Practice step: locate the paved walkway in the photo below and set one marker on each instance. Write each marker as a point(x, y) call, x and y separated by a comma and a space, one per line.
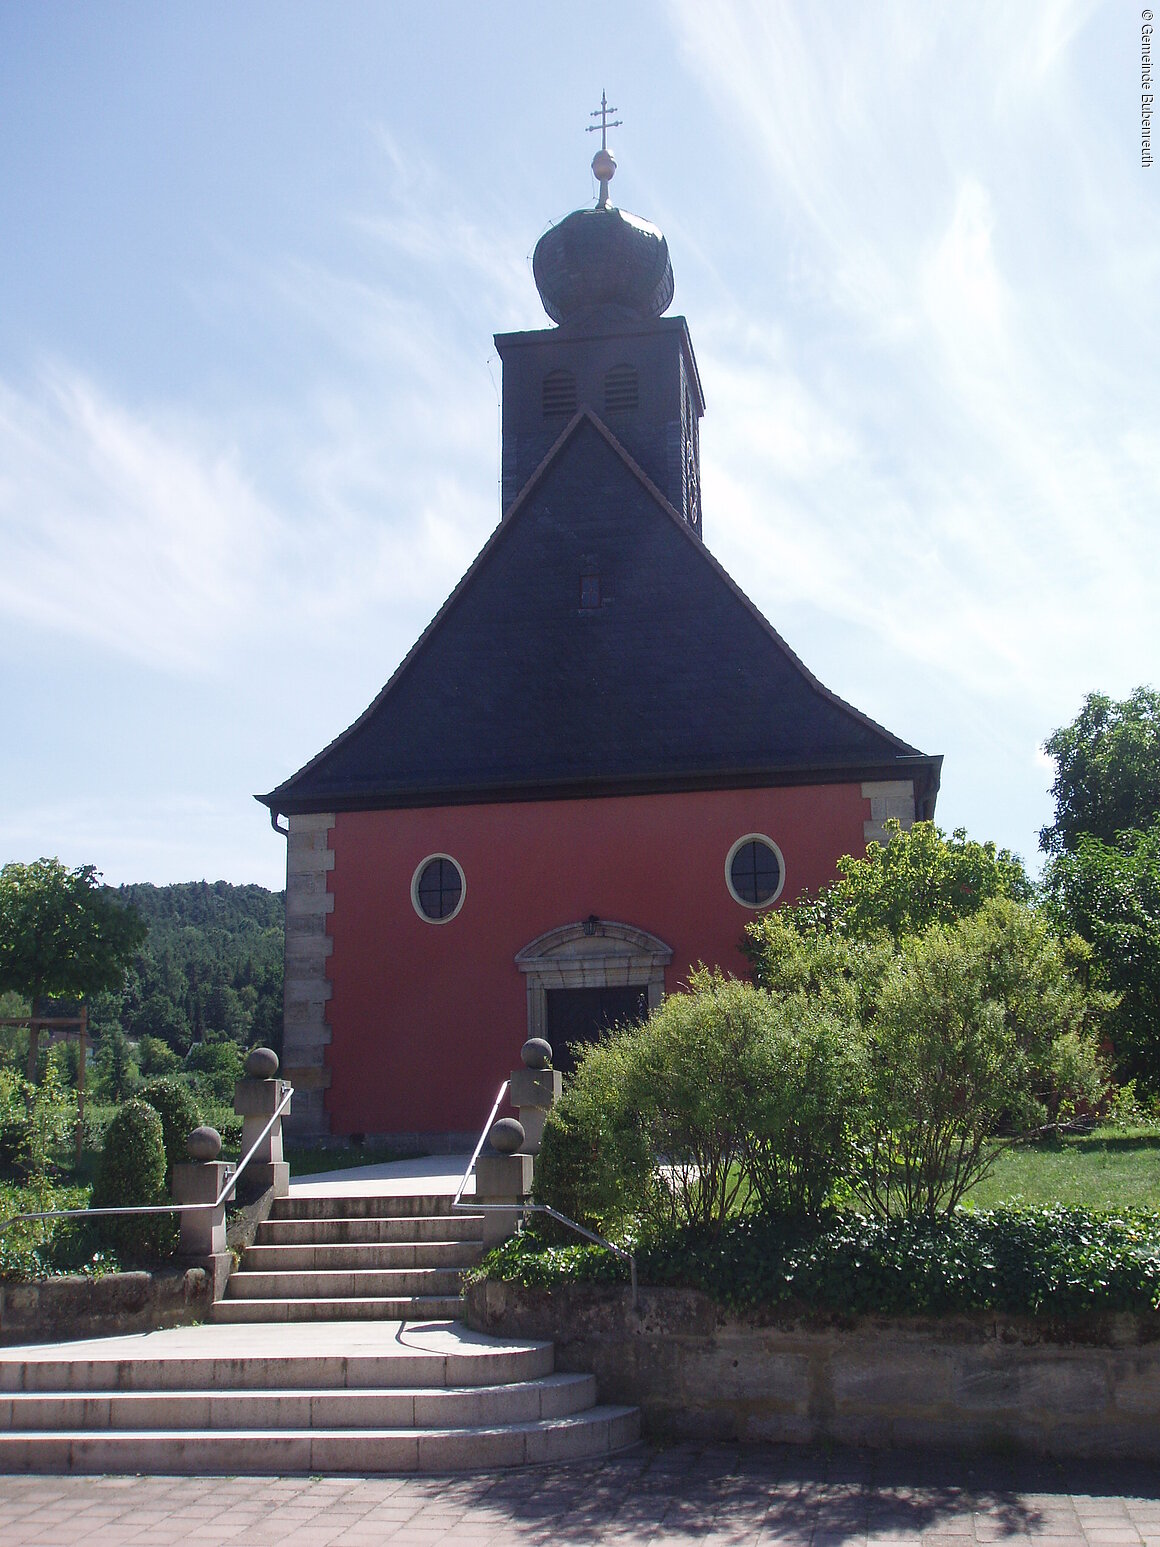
point(434, 1175)
point(347, 1340)
point(717, 1494)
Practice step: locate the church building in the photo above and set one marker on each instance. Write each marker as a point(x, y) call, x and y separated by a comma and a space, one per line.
point(595, 766)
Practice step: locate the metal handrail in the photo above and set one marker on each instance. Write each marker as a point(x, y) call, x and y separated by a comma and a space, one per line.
point(503, 1090)
point(536, 1208)
point(228, 1187)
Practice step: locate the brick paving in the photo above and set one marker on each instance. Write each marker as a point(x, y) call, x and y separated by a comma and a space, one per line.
point(724, 1495)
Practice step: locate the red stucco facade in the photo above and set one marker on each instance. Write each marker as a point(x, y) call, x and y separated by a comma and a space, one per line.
point(427, 1019)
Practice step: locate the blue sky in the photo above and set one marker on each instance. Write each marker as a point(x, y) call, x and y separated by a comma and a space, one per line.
point(252, 259)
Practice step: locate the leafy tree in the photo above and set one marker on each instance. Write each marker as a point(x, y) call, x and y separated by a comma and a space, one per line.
point(157, 1017)
point(796, 952)
point(970, 1024)
point(1107, 776)
point(51, 1118)
point(157, 1057)
point(980, 1024)
point(62, 933)
point(115, 1068)
point(920, 877)
point(837, 945)
point(1111, 896)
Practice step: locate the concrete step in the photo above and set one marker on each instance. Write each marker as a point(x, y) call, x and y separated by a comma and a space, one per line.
point(395, 1228)
point(297, 1205)
point(332, 1358)
point(382, 1283)
point(404, 1407)
point(361, 1308)
point(599, 1431)
point(332, 1257)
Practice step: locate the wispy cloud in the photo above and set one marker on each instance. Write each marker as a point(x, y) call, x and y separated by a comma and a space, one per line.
point(952, 454)
point(129, 530)
point(345, 506)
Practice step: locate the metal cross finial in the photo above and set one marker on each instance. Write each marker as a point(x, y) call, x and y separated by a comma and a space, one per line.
point(603, 162)
point(602, 113)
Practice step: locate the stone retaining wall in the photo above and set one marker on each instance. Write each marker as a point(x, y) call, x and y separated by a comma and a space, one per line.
point(1087, 1388)
point(78, 1307)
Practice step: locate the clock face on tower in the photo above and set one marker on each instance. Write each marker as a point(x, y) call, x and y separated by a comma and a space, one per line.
point(692, 488)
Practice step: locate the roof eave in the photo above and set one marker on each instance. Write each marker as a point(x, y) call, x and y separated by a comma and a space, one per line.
point(924, 769)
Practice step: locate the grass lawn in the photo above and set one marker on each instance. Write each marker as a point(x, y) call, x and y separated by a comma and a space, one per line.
point(1110, 1168)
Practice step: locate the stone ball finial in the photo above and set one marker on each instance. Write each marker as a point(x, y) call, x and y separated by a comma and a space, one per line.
point(604, 166)
point(536, 1053)
point(261, 1063)
point(507, 1135)
point(204, 1143)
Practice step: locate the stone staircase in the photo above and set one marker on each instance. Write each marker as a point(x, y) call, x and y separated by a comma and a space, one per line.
point(397, 1257)
point(336, 1350)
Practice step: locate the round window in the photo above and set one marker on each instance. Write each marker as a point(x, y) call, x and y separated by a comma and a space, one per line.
point(754, 871)
point(438, 889)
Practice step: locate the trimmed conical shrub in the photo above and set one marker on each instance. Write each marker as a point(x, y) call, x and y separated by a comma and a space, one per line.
point(130, 1172)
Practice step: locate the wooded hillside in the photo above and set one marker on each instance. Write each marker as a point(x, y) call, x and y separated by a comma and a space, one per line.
point(211, 965)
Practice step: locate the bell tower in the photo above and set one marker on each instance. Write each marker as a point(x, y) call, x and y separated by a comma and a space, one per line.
point(605, 280)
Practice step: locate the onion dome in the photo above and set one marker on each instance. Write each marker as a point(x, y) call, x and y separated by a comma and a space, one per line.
point(603, 260)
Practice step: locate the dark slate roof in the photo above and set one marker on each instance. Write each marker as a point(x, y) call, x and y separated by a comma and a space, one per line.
point(675, 682)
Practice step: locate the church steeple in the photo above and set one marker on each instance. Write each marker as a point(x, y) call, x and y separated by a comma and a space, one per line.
point(605, 279)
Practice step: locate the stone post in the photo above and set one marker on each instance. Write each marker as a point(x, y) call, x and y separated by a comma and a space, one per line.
point(534, 1090)
point(255, 1100)
point(200, 1179)
point(503, 1177)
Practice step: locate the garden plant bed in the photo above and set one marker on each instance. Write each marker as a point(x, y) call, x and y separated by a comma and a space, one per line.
point(1085, 1386)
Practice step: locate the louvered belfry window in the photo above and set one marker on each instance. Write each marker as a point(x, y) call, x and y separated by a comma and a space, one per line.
point(621, 389)
point(559, 394)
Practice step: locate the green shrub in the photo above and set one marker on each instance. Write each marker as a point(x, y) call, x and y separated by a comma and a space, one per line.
point(98, 1116)
point(217, 1065)
point(52, 1114)
point(978, 1026)
point(722, 1098)
point(131, 1172)
point(156, 1057)
point(180, 1114)
point(46, 1248)
point(13, 1120)
point(1053, 1261)
point(802, 1098)
point(227, 1122)
point(595, 1164)
point(649, 1130)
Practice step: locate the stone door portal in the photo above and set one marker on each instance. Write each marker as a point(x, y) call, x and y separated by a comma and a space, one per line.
point(583, 977)
point(578, 1015)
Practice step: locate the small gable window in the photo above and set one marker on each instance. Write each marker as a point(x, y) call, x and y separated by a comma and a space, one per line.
point(621, 389)
point(754, 871)
point(438, 888)
point(559, 389)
